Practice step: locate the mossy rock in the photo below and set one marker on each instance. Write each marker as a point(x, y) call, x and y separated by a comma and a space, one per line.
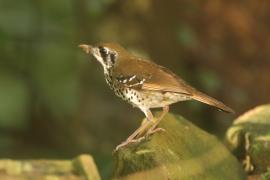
point(182, 152)
point(249, 139)
point(81, 168)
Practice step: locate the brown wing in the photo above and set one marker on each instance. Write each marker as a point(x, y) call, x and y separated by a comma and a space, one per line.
point(132, 81)
point(152, 76)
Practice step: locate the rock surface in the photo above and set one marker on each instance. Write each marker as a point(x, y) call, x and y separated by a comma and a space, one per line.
point(182, 152)
point(249, 139)
point(81, 168)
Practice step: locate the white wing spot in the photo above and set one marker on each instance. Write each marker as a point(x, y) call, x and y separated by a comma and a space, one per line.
point(132, 77)
point(142, 81)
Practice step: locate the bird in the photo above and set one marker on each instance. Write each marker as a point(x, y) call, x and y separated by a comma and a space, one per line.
point(145, 85)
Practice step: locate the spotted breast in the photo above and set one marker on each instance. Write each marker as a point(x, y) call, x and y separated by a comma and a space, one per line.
point(128, 88)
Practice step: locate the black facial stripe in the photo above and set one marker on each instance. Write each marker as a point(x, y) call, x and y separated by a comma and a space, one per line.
point(112, 56)
point(103, 52)
point(109, 57)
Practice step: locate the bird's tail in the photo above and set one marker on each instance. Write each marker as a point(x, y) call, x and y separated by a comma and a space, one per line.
point(199, 96)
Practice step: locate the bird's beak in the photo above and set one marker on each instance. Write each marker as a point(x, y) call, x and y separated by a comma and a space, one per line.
point(86, 48)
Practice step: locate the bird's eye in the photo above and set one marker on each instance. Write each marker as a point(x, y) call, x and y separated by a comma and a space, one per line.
point(103, 51)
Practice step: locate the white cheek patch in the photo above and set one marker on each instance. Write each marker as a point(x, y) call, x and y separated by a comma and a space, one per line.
point(99, 58)
point(97, 55)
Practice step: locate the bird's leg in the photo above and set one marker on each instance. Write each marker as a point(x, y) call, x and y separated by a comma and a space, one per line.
point(131, 138)
point(154, 128)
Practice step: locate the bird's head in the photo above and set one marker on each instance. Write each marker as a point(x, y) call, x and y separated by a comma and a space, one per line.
point(108, 54)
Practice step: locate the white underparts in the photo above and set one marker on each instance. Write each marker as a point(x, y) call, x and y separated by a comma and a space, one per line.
point(144, 99)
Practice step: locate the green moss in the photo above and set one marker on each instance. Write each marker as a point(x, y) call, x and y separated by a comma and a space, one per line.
point(182, 152)
point(250, 136)
point(265, 176)
point(83, 167)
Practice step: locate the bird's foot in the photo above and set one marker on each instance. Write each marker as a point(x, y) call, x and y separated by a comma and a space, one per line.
point(127, 142)
point(154, 130)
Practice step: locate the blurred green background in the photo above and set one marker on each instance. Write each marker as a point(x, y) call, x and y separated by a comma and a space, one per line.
point(54, 102)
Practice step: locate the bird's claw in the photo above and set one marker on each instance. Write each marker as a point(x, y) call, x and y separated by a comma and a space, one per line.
point(127, 142)
point(148, 133)
point(153, 131)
